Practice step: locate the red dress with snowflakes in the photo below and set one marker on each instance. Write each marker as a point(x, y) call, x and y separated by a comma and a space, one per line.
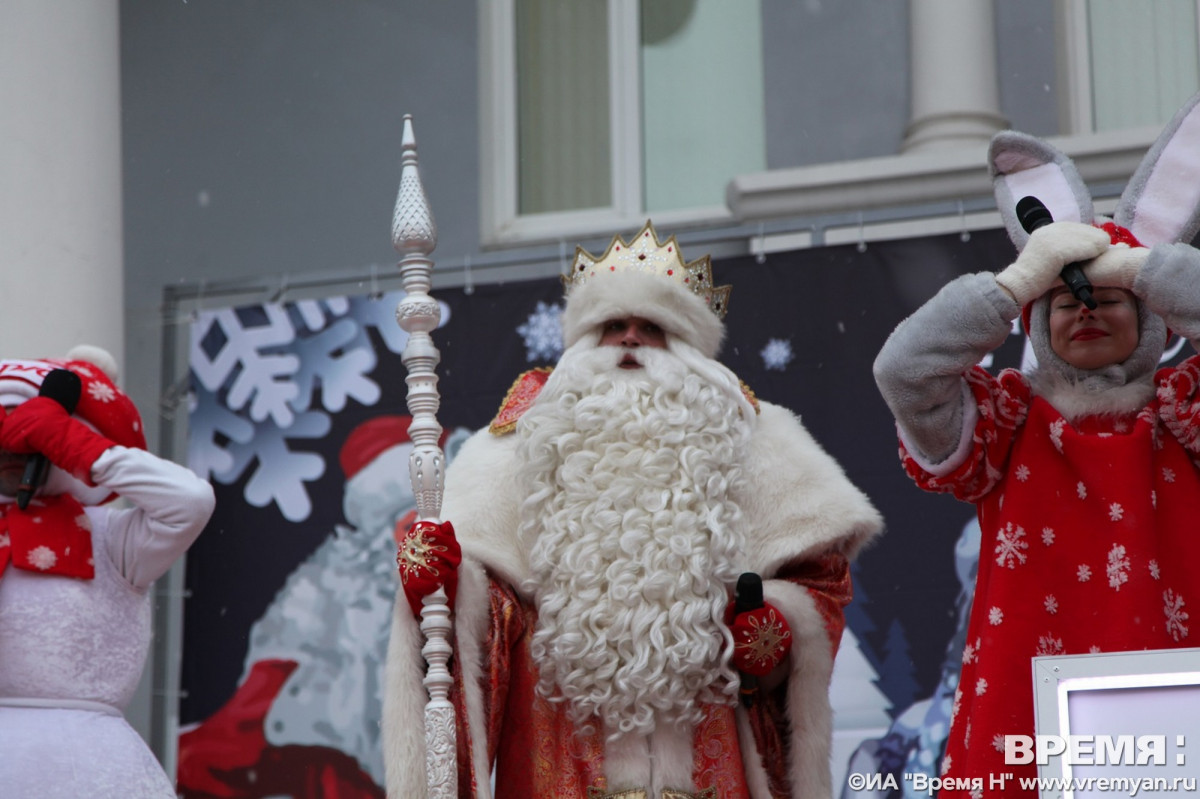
point(1088, 545)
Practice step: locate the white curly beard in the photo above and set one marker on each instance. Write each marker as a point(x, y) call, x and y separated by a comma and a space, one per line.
point(634, 541)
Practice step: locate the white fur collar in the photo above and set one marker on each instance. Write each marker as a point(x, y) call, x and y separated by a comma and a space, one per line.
point(1078, 399)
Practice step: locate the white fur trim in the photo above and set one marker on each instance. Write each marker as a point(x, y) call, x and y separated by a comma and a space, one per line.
point(1074, 401)
point(620, 294)
point(97, 356)
point(483, 503)
point(809, 714)
point(756, 775)
point(799, 502)
point(405, 695)
point(404, 706)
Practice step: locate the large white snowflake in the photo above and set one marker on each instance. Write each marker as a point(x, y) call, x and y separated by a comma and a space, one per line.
point(1047, 535)
point(42, 557)
point(1022, 473)
point(1118, 567)
point(970, 651)
point(1168, 475)
point(266, 375)
point(1051, 604)
point(777, 354)
point(1084, 572)
point(995, 616)
point(1009, 544)
point(1155, 571)
point(1176, 615)
point(542, 333)
point(1115, 512)
point(981, 686)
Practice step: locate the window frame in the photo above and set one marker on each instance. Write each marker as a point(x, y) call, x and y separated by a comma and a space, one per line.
point(500, 219)
point(1076, 111)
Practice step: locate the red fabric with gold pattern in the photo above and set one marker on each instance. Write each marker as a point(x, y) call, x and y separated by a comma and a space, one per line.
point(51, 536)
point(761, 640)
point(428, 557)
point(520, 396)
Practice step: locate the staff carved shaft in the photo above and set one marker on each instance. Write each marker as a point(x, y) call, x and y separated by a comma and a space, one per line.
point(414, 235)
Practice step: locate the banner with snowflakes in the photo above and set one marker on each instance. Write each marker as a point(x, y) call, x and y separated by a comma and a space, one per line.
point(278, 390)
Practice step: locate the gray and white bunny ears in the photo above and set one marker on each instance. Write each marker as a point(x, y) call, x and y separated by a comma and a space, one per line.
point(1161, 202)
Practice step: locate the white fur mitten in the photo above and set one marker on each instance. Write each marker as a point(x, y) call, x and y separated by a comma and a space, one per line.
point(1048, 250)
point(1117, 266)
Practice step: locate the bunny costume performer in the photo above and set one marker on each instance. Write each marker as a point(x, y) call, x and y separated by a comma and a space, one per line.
point(1085, 479)
point(74, 584)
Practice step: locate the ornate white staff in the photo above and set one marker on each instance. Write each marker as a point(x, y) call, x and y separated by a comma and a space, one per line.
point(414, 235)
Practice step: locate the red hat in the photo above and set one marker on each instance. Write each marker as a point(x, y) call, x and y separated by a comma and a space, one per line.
point(101, 403)
point(372, 438)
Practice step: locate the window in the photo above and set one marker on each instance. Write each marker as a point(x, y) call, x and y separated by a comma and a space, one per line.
point(599, 113)
point(1127, 65)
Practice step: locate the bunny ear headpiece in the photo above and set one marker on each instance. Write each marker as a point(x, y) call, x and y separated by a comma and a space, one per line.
point(1162, 201)
point(1160, 204)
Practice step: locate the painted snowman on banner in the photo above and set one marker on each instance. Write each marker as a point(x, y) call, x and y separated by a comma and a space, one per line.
point(1084, 469)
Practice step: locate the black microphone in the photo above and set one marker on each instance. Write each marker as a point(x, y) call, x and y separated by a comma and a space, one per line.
point(64, 387)
point(1033, 215)
point(748, 596)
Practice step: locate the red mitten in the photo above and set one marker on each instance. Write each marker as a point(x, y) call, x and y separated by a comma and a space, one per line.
point(42, 425)
point(761, 640)
point(429, 556)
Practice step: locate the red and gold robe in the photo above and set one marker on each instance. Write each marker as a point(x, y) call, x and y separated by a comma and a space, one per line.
point(804, 522)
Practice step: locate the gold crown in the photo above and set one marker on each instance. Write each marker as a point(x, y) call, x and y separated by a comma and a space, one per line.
point(645, 253)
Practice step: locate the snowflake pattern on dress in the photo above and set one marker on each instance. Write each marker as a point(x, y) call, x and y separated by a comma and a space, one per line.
point(1116, 512)
point(1049, 645)
point(1081, 490)
point(1176, 615)
point(970, 651)
point(1022, 473)
point(1155, 572)
point(1118, 567)
point(1168, 474)
point(995, 616)
point(1047, 536)
point(1056, 432)
point(1084, 572)
point(1051, 604)
point(981, 686)
point(1009, 543)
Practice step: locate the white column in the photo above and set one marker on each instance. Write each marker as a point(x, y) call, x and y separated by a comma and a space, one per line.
point(61, 252)
point(955, 94)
